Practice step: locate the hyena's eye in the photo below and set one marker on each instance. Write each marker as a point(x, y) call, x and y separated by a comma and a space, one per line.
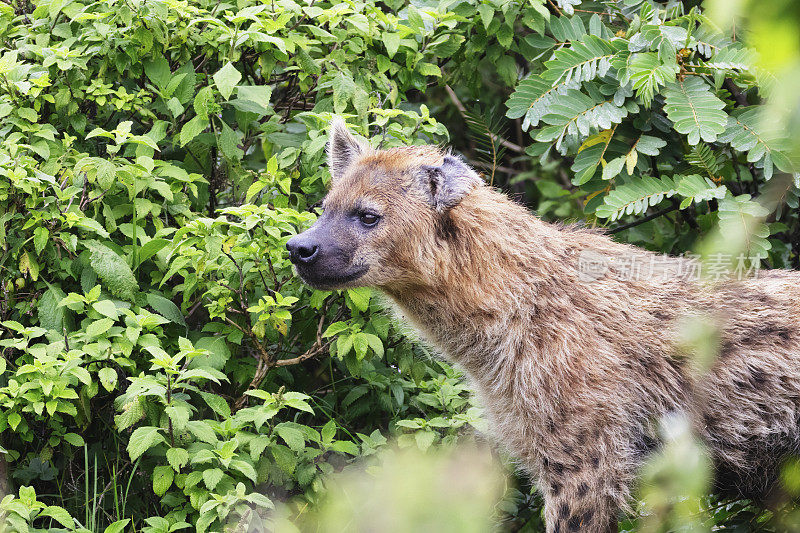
point(368, 219)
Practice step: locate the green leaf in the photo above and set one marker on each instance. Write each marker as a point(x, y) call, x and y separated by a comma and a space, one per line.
point(228, 143)
point(226, 79)
point(40, 236)
point(344, 344)
point(177, 458)
point(335, 329)
point(106, 308)
point(360, 345)
point(613, 168)
point(74, 439)
point(694, 110)
point(13, 420)
point(649, 145)
point(212, 477)
point(328, 431)
point(260, 94)
point(166, 308)
point(59, 514)
point(28, 264)
point(429, 69)
point(343, 89)
point(51, 314)
point(392, 42)
point(424, 439)
point(106, 172)
point(360, 297)
point(112, 270)
point(157, 69)
point(375, 343)
point(217, 404)
point(345, 446)
point(142, 439)
point(732, 58)
point(108, 378)
point(532, 99)
point(99, 327)
point(203, 103)
point(699, 189)
point(118, 526)
point(219, 353)
point(193, 128)
point(149, 249)
point(486, 12)
point(8, 61)
point(162, 479)
point(246, 469)
point(202, 430)
point(292, 436)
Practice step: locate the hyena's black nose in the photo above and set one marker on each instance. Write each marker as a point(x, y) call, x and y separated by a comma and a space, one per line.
point(301, 250)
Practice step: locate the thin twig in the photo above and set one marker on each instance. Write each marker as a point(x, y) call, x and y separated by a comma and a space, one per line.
point(648, 218)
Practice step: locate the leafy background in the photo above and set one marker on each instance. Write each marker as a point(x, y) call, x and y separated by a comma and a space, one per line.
point(162, 367)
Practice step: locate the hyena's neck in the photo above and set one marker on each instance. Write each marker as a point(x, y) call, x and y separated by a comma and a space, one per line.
point(494, 271)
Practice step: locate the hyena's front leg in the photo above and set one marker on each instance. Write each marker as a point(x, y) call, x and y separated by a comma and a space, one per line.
point(583, 491)
point(576, 503)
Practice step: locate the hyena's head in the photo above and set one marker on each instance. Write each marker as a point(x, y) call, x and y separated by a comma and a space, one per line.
point(383, 215)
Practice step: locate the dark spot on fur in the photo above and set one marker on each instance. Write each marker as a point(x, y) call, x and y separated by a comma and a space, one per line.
point(446, 230)
point(555, 489)
point(595, 462)
point(726, 349)
point(557, 528)
point(587, 517)
point(574, 523)
point(783, 333)
point(563, 511)
point(757, 378)
point(583, 489)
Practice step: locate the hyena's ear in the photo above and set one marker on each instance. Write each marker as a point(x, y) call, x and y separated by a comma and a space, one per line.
point(343, 149)
point(449, 183)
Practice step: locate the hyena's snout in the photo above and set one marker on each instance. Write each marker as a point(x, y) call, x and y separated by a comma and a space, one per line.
point(323, 257)
point(303, 249)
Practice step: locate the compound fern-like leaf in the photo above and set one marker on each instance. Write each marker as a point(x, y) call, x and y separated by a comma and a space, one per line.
point(695, 110)
point(765, 148)
point(635, 197)
point(696, 188)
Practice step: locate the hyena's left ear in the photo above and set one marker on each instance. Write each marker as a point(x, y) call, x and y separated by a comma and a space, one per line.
point(343, 149)
point(447, 184)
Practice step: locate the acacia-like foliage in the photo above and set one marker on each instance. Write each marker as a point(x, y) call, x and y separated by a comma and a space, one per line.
point(657, 81)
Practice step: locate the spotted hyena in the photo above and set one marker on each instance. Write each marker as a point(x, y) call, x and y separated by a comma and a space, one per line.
point(573, 364)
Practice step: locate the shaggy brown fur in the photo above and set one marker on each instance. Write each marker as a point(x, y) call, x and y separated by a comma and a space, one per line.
point(573, 371)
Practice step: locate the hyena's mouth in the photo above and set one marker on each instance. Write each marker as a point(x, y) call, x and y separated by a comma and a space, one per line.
point(330, 280)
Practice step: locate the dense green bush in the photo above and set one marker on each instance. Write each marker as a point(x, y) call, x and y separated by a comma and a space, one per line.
point(162, 368)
